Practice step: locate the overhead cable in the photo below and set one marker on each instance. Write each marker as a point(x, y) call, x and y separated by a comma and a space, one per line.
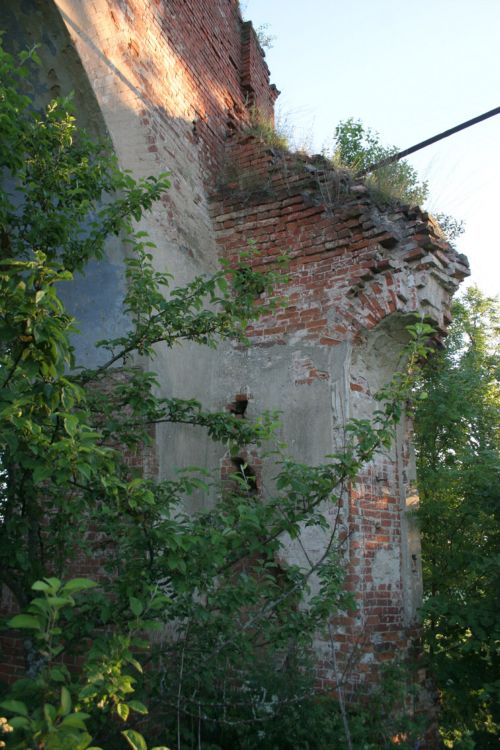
point(407, 151)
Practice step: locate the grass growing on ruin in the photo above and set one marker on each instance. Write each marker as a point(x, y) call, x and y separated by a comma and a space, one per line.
point(264, 128)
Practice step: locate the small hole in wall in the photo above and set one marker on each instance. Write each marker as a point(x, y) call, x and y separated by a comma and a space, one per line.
point(239, 405)
point(231, 127)
point(246, 475)
point(389, 243)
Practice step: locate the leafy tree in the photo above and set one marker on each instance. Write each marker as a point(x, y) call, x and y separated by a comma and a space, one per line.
point(359, 148)
point(228, 615)
point(458, 443)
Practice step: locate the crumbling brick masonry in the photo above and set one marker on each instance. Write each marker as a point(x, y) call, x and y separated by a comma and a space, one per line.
point(173, 85)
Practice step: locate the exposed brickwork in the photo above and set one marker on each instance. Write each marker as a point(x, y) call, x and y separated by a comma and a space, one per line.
point(353, 265)
point(255, 74)
point(174, 83)
point(192, 69)
point(12, 656)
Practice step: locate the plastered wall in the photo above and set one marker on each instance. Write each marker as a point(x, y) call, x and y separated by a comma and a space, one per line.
point(172, 85)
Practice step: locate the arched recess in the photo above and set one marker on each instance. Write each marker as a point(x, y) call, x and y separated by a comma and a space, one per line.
point(384, 509)
point(94, 298)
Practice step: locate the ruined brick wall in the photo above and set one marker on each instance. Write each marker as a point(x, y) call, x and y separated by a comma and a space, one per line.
point(359, 271)
point(197, 68)
point(348, 252)
point(173, 83)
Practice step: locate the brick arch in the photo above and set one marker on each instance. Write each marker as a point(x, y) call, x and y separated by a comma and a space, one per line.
point(377, 353)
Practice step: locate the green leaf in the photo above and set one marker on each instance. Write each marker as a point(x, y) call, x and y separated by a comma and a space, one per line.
point(71, 424)
point(138, 706)
point(57, 674)
point(50, 713)
point(123, 711)
point(135, 740)
point(41, 585)
point(19, 722)
point(15, 707)
point(76, 720)
point(136, 664)
point(78, 584)
point(83, 743)
point(136, 606)
point(40, 473)
point(65, 701)
point(24, 621)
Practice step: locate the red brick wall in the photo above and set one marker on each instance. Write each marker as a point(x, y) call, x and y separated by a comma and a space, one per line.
point(352, 264)
point(193, 71)
point(255, 74)
point(198, 54)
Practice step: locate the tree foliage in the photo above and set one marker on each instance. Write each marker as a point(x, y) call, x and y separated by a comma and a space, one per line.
point(458, 441)
point(358, 148)
point(234, 621)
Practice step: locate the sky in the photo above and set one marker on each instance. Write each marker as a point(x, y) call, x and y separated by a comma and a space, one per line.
point(408, 70)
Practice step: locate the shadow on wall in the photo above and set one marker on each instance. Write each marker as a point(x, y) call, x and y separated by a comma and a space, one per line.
point(118, 97)
point(157, 62)
point(29, 24)
point(143, 99)
point(96, 296)
point(376, 356)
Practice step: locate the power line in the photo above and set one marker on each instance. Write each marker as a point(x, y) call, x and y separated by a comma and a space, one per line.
point(428, 142)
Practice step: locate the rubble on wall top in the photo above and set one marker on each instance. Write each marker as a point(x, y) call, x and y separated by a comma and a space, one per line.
point(350, 254)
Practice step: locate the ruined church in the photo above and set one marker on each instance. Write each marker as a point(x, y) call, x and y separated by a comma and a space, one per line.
point(174, 86)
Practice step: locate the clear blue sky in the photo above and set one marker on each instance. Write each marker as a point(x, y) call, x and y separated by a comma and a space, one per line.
point(408, 70)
